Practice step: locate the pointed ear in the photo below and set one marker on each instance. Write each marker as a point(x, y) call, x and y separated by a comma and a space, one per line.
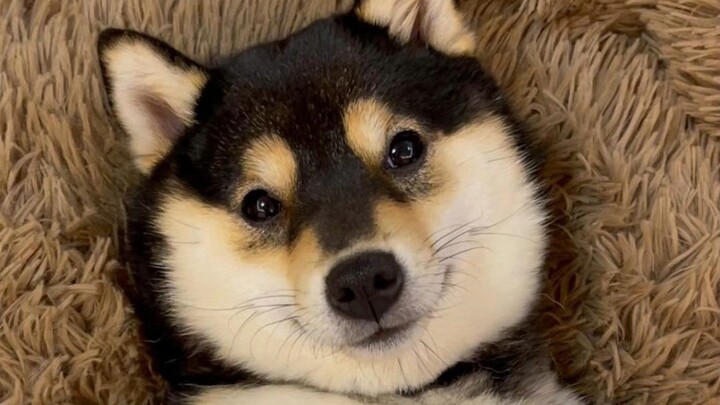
point(152, 89)
point(436, 23)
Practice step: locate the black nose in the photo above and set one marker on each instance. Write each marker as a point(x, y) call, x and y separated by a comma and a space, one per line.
point(365, 286)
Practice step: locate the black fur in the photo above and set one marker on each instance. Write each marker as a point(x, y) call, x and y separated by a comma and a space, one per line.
point(297, 88)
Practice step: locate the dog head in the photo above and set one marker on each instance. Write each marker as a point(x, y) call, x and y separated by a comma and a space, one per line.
point(351, 207)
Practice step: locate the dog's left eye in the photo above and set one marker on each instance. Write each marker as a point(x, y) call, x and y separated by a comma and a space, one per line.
point(405, 149)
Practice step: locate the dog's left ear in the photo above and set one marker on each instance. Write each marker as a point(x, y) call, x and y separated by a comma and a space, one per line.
point(437, 23)
point(152, 89)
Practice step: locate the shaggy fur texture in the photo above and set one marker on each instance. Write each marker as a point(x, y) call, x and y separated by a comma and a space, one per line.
point(624, 95)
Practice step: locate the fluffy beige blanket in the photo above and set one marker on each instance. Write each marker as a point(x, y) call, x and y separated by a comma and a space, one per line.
point(625, 94)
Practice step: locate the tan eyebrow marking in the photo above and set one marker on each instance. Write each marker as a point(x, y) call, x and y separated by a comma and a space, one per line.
point(270, 161)
point(367, 126)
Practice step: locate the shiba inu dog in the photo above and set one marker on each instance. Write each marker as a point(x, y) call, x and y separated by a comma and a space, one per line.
point(350, 215)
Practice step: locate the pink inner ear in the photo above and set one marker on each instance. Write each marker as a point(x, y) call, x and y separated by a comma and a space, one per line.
point(416, 35)
point(165, 120)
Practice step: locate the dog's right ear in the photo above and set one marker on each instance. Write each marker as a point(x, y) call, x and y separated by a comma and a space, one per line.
point(152, 89)
point(435, 23)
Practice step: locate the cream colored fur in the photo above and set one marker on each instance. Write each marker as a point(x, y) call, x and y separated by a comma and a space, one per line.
point(547, 394)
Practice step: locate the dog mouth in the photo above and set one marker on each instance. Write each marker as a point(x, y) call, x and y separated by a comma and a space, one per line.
point(385, 336)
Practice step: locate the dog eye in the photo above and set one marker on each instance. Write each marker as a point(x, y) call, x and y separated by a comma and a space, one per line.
point(258, 206)
point(405, 149)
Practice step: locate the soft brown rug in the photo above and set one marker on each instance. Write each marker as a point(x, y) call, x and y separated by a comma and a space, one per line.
point(625, 94)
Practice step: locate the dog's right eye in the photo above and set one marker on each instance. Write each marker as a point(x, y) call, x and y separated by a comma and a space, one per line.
point(405, 149)
point(259, 206)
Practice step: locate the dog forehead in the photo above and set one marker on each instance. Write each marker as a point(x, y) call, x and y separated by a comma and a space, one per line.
point(324, 59)
point(300, 89)
point(308, 78)
point(302, 105)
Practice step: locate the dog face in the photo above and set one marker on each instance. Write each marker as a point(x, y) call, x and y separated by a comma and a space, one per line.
point(350, 207)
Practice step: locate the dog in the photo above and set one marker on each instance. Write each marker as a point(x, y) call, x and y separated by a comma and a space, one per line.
point(349, 215)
